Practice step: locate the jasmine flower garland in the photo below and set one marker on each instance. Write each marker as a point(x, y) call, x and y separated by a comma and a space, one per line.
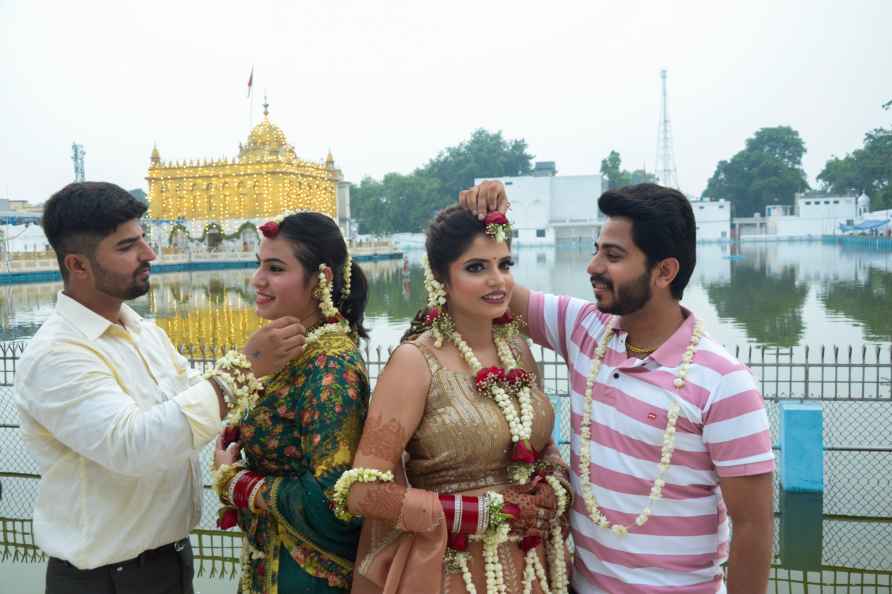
point(355, 475)
point(335, 323)
point(656, 491)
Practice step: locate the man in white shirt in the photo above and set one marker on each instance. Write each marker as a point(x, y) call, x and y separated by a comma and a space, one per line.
point(113, 413)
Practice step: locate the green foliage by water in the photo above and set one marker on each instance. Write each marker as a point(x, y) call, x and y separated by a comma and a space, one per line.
point(865, 170)
point(767, 171)
point(617, 177)
point(865, 301)
point(405, 203)
point(768, 305)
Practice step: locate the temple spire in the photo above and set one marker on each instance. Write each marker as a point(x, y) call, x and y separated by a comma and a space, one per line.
point(265, 105)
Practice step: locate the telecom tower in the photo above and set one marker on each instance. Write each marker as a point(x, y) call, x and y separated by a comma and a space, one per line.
point(667, 173)
point(77, 156)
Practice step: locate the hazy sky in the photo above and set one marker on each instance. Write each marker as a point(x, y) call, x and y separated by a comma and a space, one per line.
point(386, 85)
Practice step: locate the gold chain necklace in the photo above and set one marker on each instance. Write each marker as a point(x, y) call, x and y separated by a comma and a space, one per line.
point(633, 349)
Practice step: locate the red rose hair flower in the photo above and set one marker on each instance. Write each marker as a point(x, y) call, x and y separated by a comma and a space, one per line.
point(495, 218)
point(269, 229)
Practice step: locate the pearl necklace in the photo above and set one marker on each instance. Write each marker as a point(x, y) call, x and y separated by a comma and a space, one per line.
point(656, 491)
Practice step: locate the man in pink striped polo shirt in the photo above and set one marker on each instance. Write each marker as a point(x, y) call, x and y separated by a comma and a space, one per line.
point(670, 437)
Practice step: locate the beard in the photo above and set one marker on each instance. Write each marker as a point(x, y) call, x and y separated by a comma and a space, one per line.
point(628, 298)
point(118, 285)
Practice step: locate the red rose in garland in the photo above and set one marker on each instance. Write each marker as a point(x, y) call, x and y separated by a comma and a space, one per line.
point(524, 452)
point(497, 226)
point(505, 318)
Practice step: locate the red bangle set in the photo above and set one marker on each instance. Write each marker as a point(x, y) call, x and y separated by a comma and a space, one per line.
point(462, 512)
point(241, 492)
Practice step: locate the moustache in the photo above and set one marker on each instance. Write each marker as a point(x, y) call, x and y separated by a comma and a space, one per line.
point(142, 269)
point(601, 281)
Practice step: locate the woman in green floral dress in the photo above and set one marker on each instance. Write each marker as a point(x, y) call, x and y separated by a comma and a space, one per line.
point(300, 432)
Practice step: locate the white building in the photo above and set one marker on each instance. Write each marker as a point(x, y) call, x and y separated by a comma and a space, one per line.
point(547, 209)
point(713, 219)
point(815, 215)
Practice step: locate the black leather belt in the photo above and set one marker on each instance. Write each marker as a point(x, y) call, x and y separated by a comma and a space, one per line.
point(139, 560)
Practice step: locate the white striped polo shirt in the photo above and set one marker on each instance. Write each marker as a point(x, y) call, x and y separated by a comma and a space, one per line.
point(722, 431)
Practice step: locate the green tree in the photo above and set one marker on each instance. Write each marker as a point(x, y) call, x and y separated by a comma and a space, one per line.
point(641, 176)
point(485, 154)
point(398, 203)
point(617, 177)
point(406, 203)
point(868, 170)
point(611, 168)
point(767, 171)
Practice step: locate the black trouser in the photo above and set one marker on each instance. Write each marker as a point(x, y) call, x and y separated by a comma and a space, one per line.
point(165, 570)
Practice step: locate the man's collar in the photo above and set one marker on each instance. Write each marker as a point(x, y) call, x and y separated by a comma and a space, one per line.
point(91, 323)
point(669, 353)
point(672, 350)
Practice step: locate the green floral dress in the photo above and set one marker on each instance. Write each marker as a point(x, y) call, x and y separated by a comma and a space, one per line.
point(301, 435)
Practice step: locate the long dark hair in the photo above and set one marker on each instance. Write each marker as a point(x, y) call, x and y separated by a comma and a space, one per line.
point(449, 235)
point(317, 240)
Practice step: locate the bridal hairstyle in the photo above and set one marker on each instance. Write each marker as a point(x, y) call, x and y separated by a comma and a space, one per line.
point(449, 235)
point(318, 240)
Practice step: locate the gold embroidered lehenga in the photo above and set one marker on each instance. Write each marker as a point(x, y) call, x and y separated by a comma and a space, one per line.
point(462, 445)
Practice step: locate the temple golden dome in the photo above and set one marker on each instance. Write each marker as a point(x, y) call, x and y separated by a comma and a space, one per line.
point(267, 179)
point(266, 142)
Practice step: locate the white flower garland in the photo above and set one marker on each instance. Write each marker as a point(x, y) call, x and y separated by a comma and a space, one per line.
point(241, 389)
point(436, 302)
point(521, 425)
point(335, 323)
point(498, 534)
point(348, 275)
point(557, 564)
point(656, 491)
point(355, 475)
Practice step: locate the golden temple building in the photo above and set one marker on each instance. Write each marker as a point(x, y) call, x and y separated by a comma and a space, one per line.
point(213, 200)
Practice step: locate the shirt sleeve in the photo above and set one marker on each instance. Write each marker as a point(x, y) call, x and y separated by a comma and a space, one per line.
point(83, 405)
point(736, 429)
point(555, 318)
point(199, 402)
point(335, 404)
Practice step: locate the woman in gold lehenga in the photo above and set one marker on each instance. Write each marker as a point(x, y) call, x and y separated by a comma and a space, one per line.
point(456, 476)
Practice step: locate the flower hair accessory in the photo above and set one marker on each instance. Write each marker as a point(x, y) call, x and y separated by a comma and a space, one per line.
point(333, 321)
point(348, 271)
point(271, 228)
point(497, 226)
point(436, 318)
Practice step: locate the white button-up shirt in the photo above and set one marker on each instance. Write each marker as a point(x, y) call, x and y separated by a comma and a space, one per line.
point(115, 418)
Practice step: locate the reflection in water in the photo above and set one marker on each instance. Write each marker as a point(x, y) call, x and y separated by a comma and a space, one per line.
point(756, 293)
point(801, 535)
point(767, 303)
point(760, 293)
point(866, 301)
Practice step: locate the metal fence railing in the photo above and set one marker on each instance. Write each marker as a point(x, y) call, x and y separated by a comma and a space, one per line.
point(852, 385)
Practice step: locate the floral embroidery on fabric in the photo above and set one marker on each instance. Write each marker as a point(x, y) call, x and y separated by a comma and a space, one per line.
point(303, 434)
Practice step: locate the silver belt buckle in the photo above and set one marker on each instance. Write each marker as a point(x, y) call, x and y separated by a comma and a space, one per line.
point(179, 545)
